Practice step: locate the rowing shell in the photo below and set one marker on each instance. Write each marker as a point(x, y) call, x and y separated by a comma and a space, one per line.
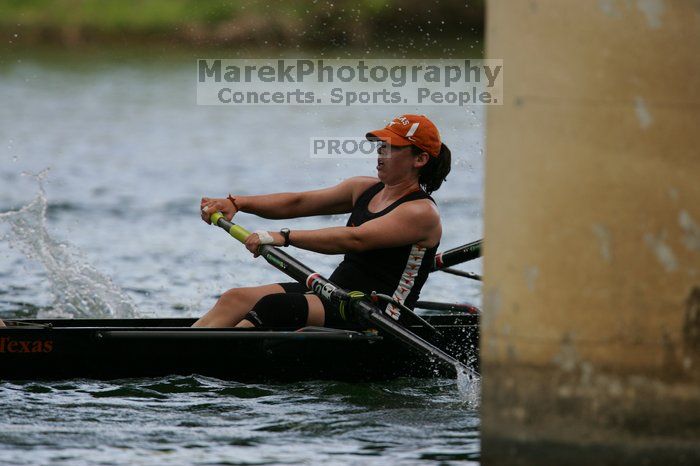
point(119, 348)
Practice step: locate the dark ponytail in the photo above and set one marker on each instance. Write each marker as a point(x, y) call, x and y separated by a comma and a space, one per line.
point(433, 173)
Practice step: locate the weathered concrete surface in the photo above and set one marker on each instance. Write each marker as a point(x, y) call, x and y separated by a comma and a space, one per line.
point(591, 330)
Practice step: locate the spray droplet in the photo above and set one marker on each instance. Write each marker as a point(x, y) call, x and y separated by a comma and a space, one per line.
point(469, 386)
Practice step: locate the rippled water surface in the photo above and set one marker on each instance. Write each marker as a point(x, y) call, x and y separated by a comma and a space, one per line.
point(128, 157)
point(196, 420)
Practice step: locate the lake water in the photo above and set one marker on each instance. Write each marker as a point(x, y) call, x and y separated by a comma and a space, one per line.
point(125, 155)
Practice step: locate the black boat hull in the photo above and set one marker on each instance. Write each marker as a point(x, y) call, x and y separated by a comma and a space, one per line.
point(109, 349)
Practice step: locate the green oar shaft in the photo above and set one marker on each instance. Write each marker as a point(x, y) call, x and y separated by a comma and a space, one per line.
point(349, 303)
point(279, 259)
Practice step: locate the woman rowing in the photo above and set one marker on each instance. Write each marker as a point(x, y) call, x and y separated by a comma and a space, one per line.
point(389, 241)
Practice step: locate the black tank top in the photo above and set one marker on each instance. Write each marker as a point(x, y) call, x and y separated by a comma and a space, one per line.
point(399, 272)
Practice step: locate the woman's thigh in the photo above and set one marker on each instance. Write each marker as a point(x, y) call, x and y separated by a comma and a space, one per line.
point(233, 304)
point(250, 295)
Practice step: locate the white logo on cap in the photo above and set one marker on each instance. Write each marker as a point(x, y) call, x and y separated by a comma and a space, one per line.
point(412, 130)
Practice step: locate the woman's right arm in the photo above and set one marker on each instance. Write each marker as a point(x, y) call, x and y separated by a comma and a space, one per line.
point(337, 199)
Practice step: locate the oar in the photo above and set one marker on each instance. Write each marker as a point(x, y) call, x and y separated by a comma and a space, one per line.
point(351, 304)
point(437, 306)
point(454, 256)
point(462, 273)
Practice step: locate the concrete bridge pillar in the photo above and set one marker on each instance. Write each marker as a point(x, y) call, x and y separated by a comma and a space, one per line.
point(591, 328)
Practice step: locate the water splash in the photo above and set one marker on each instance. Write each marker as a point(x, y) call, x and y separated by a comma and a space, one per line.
point(79, 290)
point(469, 386)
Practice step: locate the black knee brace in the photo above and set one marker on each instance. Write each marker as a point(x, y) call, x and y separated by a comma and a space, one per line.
point(288, 310)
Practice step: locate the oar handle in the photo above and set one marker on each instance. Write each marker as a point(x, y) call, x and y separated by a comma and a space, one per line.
point(237, 231)
point(275, 257)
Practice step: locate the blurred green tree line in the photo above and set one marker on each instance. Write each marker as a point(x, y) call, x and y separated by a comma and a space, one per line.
point(329, 23)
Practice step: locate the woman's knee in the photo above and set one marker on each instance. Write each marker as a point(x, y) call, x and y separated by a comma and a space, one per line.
point(231, 296)
point(244, 296)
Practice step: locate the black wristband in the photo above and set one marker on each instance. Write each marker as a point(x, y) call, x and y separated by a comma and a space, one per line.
point(285, 234)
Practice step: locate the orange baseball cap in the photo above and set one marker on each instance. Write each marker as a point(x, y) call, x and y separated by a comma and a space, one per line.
point(409, 130)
